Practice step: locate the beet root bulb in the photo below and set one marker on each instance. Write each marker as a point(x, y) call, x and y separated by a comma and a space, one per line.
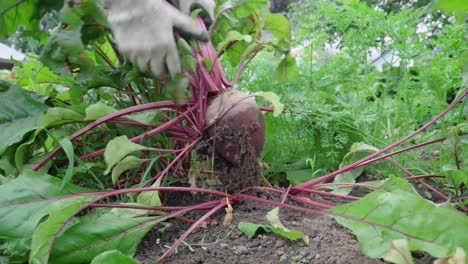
point(236, 111)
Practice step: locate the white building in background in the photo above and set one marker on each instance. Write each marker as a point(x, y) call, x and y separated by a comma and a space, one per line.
point(6, 54)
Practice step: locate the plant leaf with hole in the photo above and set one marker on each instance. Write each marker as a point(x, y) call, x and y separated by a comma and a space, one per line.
point(437, 230)
point(19, 114)
point(117, 149)
point(274, 99)
point(113, 256)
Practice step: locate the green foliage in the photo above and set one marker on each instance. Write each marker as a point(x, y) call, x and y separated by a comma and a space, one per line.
point(354, 154)
point(28, 15)
point(273, 99)
point(342, 96)
point(19, 114)
point(74, 75)
point(117, 149)
point(127, 163)
point(46, 231)
point(23, 202)
point(246, 29)
point(90, 237)
point(400, 214)
point(458, 7)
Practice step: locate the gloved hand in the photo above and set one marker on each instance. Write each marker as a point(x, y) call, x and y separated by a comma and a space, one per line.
point(143, 30)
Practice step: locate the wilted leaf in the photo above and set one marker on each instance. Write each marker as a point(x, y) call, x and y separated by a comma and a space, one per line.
point(251, 229)
point(273, 217)
point(275, 227)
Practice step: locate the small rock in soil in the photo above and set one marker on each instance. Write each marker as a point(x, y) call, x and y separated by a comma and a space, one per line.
point(279, 243)
point(240, 250)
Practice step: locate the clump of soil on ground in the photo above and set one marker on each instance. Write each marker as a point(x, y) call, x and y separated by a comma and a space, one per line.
point(247, 171)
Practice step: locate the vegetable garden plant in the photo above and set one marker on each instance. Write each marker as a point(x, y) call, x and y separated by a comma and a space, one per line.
point(90, 147)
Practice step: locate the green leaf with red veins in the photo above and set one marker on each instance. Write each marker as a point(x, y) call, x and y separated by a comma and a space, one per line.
point(437, 230)
point(45, 233)
point(91, 236)
point(25, 200)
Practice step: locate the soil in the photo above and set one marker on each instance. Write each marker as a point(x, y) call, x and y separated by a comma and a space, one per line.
point(247, 171)
point(328, 241)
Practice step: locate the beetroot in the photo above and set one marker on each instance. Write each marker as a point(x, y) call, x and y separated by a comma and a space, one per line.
point(235, 111)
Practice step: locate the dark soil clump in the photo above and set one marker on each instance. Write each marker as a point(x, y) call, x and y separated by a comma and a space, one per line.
point(244, 174)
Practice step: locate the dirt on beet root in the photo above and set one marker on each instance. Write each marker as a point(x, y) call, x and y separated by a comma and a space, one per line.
point(246, 172)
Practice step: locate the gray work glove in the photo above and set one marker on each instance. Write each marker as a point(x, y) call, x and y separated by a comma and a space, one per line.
point(144, 31)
